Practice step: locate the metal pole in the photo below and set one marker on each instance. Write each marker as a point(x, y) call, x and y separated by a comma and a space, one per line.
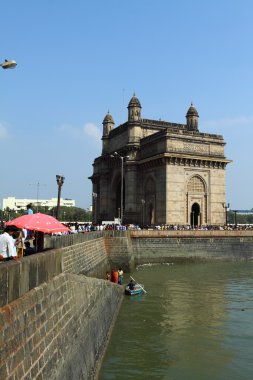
point(58, 201)
point(143, 204)
point(143, 215)
point(60, 181)
point(116, 154)
point(38, 185)
point(95, 207)
point(235, 217)
point(122, 189)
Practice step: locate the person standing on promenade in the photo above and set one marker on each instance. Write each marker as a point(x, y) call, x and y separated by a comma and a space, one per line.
point(7, 251)
point(120, 276)
point(29, 210)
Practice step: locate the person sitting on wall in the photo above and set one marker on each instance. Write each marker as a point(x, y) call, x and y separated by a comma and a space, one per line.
point(28, 249)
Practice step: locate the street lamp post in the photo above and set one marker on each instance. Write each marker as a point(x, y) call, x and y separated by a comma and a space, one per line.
point(226, 207)
point(60, 180)
point(95, 206)
point(235, 217)
point(143, 204)
point(116, 154)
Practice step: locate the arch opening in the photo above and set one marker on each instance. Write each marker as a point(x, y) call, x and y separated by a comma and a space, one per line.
point(195, 215)
point(117, 211)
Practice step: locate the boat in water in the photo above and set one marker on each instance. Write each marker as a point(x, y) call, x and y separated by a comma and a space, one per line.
point(138, 289)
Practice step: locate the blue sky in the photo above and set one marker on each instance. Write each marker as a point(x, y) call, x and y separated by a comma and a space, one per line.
point(79, 58)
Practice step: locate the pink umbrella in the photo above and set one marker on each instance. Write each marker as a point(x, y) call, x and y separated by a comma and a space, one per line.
point(38, 222)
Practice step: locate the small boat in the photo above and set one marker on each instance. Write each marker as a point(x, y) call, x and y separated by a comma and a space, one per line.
point(138, 289)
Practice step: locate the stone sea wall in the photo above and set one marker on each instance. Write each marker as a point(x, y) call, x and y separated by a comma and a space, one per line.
point(58, 330)
point(18, 277)
point(87, 258)
point(55, 321)
point(192, 247)
point(132, 248)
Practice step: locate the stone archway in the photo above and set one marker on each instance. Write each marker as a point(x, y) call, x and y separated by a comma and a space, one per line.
point(115, 196)
point(195, 215)
point(117, 208)
point(151, 213)
point(150, 201)
point(196, 201)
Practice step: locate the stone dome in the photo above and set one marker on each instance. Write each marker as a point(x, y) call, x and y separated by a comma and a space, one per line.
point(108, 118)
point(134, 102)
point(192, 111)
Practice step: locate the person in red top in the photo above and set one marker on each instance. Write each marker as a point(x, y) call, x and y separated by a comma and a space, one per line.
point(114, 276)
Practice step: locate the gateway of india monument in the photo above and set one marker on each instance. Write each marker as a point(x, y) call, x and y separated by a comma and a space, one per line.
point(156, 172)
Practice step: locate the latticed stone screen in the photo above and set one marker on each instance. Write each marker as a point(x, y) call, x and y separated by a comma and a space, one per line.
point(196, 185)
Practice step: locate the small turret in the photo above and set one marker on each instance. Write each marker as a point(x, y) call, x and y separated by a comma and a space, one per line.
point(192, 118)
point(108, 125)
point(134, 109)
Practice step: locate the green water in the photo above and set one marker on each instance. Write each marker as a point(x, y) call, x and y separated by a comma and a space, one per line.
point(194, 323)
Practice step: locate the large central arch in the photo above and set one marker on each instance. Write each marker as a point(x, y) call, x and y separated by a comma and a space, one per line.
point(196, 201)
point(117, 211)
point(150, 202)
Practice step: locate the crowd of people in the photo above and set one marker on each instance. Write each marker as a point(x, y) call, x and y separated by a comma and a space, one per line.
point(87, 227)
point(115, 276)
point(16, 242)
point(12, 242)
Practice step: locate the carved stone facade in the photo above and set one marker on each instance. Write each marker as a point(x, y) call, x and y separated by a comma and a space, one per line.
point(172, 173)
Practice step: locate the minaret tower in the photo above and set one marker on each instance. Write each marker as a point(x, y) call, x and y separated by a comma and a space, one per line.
point(108, 125)
point(134, 109)
point(192, 117)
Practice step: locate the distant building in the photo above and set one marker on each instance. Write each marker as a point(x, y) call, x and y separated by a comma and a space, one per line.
point(173, 173)
point(20, 204)
point(245, 212)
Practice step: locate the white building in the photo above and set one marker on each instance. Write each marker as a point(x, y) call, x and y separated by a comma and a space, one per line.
point(20, 204)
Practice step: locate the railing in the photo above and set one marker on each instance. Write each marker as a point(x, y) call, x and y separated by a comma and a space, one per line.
point(54, 242)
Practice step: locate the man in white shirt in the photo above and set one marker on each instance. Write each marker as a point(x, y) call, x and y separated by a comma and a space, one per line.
point(7, 250)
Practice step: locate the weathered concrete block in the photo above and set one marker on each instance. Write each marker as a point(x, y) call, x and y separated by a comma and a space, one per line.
point(13, 268)
point(43, 264)
point(3, 285)
point(33, 271)
point(24, 275)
